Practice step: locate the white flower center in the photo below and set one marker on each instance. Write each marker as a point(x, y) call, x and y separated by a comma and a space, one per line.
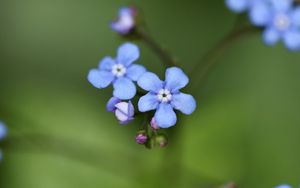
point(282, 22)
point(164, 95)
point(118, 70)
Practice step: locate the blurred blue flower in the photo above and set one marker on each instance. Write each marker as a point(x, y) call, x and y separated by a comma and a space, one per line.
point(126, 20)
point(281, 21)
point(120, 72)
point(284, 186)
point(241, 5)
point(3, 133)
point(3, 130)
point(164, 96)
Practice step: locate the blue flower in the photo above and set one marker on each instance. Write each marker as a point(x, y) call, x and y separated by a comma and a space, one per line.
point(241, 5)
point(124, 111)
point(284, 186)
point(3, 131)
point(281, 21)
point(126, 21)
point(120, 72)
point(165, 96)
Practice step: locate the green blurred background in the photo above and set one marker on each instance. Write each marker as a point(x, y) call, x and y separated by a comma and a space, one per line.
point(246, 128)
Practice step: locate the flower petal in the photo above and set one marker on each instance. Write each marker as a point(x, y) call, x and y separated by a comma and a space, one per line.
point(282, 5)
point(134, 72)
point(165, 116)
point(184, 103)
point(237, 5)
point(150, 82)
point(292, 40)
point(111, 104)
point(175, 79)
point(260, 14)
point(296, 17)
point(128, 53)
point(100, 79)
point(148, 102)
point(271, 36)
point(106, 63)
point(124, 88)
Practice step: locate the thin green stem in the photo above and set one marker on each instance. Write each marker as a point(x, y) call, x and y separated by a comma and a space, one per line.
point(162, 53)
point(210, 58)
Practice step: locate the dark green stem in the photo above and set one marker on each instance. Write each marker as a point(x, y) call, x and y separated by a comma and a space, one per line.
point(162, 53)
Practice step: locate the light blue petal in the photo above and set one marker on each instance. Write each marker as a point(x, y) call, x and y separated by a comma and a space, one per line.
point(282, 5)
point(165, 116)
point(271, 36)
point(176, 79)
point(148, 102)
point(3, 130)
point(184, 103)
point(110, 106)
point(292, 40)
point(296, 17)
point(150, 82)
point(261, 14)
point(100, 79)
point(134, 72)
point(237, 5)
point(127, 54)
point(106, 63)
point(124, 88)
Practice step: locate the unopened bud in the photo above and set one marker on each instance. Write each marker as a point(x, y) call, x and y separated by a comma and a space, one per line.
point(154, 124)
point(141, 138)
point(161, 140)
point(124, 112)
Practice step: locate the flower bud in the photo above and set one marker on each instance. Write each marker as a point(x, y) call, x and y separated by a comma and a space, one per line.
point(126, 21)
point(161, 140)
point(124, 112)
point(141, 138)
point(154, 124)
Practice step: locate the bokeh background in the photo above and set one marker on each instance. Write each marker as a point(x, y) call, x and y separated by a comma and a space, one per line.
point(246, 128)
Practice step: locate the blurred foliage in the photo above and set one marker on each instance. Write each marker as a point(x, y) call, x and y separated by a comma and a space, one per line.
point(246, 128)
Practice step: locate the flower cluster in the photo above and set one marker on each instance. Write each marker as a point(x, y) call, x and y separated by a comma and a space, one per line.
point(3, 132)
point(280, 19)
point(161, 96)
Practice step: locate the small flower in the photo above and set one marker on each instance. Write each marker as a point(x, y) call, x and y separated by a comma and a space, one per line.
point(124, 112)
point(281, 21)
point(141, 138)
point(126, 21)
point(165, 96)
point(284, 186)
point(120, 72)
point(154, 124)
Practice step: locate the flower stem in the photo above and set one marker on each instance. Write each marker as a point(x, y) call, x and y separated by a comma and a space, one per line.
point(162, 53)
point(210, 58)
